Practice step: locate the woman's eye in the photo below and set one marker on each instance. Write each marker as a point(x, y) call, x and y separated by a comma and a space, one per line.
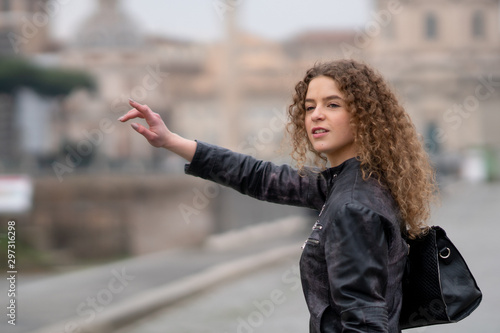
point(333, 105)
point(310, 108)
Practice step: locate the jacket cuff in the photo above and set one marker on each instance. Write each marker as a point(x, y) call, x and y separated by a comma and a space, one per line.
point(202, 162)
point(367, 319)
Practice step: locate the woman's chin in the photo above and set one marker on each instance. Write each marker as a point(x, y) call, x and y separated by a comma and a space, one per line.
point(321, 149)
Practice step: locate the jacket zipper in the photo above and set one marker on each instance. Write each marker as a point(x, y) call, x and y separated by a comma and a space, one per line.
point(311, 241)
point(317, 226)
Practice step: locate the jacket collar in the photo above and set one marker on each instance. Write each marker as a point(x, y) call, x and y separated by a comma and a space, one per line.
point(351, 163)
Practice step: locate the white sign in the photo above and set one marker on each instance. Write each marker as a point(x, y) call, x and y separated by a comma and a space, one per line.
point(16, 194)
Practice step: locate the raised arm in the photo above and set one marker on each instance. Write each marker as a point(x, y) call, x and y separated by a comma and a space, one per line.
point(261, 180)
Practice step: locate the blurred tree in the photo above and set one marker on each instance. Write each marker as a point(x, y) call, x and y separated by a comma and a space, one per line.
point(16, 73)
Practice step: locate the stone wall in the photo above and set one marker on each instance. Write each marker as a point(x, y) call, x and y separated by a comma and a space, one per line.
point(102, 217)
point(107, 216)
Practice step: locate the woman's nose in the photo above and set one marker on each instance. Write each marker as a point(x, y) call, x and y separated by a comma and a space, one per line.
point(317, 114)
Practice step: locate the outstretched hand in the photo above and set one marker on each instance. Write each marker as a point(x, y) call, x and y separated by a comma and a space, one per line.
point(157, 134)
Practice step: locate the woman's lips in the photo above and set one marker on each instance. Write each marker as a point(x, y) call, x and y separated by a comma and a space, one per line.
point(318, 132)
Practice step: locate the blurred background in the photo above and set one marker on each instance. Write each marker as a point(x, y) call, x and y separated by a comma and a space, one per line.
point(85, 189)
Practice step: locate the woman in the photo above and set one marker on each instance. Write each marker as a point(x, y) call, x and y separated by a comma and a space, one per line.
point(379, 186)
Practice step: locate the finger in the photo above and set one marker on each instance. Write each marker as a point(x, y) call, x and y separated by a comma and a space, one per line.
point(131, 115)
point(150, 136)
point(144, 109)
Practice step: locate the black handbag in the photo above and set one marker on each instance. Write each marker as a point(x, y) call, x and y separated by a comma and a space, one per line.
point(438, 287)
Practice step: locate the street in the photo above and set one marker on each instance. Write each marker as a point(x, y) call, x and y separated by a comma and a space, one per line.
point(271, 300)
point(67, 302)
point(264, 299)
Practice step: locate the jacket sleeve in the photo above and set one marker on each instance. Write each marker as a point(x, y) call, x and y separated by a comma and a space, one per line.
point(258, 179)
point(357, 262)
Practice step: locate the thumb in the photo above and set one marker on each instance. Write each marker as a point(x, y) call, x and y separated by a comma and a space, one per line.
point(144, 131)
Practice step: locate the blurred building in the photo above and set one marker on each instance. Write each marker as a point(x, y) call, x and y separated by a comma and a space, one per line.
point(24, 27)
point(441, 56)
point(198, 89)
point(444, 59)
point(112, 48)
point(24, 31)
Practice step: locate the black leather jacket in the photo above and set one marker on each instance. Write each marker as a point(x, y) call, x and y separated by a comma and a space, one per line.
point(352, 263)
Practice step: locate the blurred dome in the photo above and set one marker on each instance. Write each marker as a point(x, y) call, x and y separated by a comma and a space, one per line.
point(109, 27)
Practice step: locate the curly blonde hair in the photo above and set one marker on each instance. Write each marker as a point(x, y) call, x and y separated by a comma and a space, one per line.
point(389, 148)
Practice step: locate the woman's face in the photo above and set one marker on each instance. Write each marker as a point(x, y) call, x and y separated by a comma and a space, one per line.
point(328, 122)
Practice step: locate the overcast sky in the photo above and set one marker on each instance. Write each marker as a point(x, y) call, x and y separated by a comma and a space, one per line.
point(200, 20)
